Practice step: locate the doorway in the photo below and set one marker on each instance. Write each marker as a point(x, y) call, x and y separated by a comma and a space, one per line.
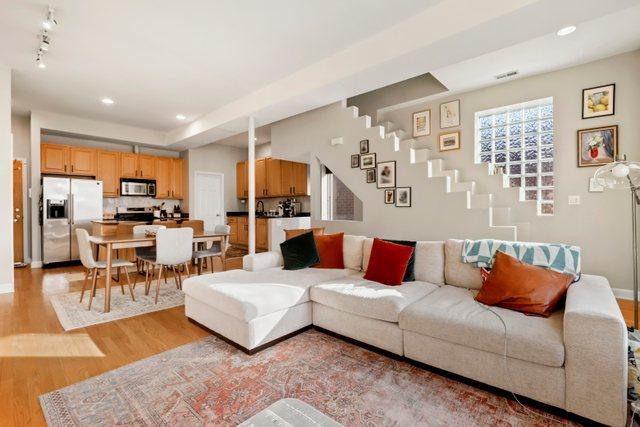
point(209, 198)
point(18, 212)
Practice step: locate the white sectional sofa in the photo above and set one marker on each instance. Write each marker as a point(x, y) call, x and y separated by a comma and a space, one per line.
point(574, 360)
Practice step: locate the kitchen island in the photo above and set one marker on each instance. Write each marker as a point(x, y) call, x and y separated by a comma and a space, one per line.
point(269, 229)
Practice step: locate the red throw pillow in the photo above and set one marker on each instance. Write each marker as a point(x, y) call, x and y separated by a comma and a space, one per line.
point(388, 262)
point(523, 287)
point(330, 250)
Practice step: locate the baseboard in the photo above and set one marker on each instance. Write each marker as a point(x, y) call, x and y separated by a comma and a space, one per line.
point(36, 264)
point(6, 288)
point(623, 293)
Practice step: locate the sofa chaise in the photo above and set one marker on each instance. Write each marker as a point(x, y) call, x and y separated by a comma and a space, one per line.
point(575, 359)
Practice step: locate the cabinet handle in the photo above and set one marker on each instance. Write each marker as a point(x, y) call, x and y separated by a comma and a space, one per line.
point(294, 189)
point(65, 168)
point(71, 168)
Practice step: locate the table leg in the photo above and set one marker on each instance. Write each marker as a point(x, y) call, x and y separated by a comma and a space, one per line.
point(223, 257)
point(107, 281)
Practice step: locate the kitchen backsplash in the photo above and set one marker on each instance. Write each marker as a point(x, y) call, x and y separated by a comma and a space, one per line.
point(109, 205)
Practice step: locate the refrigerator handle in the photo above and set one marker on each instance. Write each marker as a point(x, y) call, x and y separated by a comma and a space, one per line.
point(70, 208)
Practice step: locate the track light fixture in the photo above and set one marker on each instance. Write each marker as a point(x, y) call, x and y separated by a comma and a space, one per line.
point(50, 21)
point(45, 39)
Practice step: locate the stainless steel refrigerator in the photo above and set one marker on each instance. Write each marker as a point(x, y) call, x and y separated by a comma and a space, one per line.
point(67, 204)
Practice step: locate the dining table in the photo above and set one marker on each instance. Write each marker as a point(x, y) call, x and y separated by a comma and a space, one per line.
point(114, 242)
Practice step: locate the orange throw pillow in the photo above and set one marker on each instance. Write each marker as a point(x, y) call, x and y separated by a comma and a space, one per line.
point(523, 287)
point(330, 250)
point(388, 262)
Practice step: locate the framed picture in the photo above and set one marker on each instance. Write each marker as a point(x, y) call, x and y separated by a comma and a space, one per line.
point(355, 160)
point(403, 197)
point(597, 146)
point(595, 186)
point(386, 174)
point(389, 196)
point(368, 161)
point(422, 123)
point(364, 146)
point(450, 114)
point(598, 101)
point(449, 141)
point(371, 175)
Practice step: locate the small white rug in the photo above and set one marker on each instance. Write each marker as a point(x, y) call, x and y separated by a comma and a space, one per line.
point(73, 315)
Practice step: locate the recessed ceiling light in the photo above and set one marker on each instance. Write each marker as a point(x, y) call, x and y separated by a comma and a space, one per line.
point(107, 101)
point(181, 117)
point(566, 30)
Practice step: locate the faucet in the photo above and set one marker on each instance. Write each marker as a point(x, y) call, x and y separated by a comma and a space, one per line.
point(260, 205)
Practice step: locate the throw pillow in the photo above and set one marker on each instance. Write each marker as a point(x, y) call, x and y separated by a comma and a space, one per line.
point(317, 231)
point(299, 252)
point(409, 275)
point(330, 250)
point(523, 287)
point(388, 262)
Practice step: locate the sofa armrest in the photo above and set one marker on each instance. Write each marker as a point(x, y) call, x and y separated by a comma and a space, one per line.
point(595, 339)
point(261, 261)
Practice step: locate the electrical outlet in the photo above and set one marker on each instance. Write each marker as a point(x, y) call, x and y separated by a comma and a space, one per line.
point(574, 200)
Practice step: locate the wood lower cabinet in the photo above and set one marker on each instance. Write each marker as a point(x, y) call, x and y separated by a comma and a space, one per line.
point(108, 171)
point(54, 158)
point(239, 234)
point(262, 233)
point(233, 232)
point(243, 230)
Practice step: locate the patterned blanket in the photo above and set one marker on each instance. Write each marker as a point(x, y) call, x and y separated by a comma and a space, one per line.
point(558, 257)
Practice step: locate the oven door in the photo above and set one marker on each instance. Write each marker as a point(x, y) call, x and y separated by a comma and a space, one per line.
point(128, 188)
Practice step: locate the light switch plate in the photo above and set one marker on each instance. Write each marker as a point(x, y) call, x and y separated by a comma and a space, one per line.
point(574, 200)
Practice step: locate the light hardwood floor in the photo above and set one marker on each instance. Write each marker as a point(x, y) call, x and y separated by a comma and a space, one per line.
point(37, 355)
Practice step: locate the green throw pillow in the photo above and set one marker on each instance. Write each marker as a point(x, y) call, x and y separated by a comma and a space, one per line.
point(409, 273)
point(300, 252)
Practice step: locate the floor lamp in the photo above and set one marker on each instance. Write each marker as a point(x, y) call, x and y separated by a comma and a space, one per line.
point(625, 175)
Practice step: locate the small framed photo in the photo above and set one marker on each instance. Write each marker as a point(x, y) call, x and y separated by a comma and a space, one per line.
point(386, 174)
point(595, 186)
point(368, 161)
point(450, 114)
point(598, 101)
point(389, 196)
point(422, 123)
point(449, 141)
point(355, 160)
point(364, 146)
point(597, 146)
point(371, 175)
point(403, 197)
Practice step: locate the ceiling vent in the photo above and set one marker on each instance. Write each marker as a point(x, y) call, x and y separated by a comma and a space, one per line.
point(507, 75)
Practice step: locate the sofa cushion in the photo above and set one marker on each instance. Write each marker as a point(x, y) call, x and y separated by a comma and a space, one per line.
point(366, 252)
point(247, 295)
point(429, 265)
point(451, 314)
point(456, 272)
point(354, 294)
point(352, 251)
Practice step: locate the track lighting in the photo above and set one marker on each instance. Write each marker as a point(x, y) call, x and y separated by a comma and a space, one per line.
point(50, 21)
point(45, 39)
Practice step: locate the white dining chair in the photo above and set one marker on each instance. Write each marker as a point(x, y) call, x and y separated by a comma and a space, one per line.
point(216, 249)
point(149, 251)
point(174, 247)
point(92, 265)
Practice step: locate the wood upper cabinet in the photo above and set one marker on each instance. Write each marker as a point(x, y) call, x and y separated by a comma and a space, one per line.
point(242, 180)
point(273, 177)
point(54, 158)
point(163, 178)
point(108, 171)
point(177, 178)
point(261, 177)
point(286, 177)
point(82, 161)
point(300, 179)
point(147, 166)
point(128, 165)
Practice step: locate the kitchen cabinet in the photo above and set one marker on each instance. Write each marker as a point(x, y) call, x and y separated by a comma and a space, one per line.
point(262, 233)
point(242, 180)
point(286, 178)
point(261, 177)
point(163, 178)
point(54, 158)
point(147, 166)
point(177, 178)
point(108, 171)
point(82, 161)
point(273, 177)
point(239, 233)
point(233, 232)
point(300, 179)
point(243, 230)
point(129, 165)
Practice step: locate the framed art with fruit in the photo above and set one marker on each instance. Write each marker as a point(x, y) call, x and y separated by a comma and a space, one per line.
point(598, 101)
point(597, 146)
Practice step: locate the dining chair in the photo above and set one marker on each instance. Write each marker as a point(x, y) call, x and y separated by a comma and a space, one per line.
point(216, 249)
point(92, 265)
point(173, 248)
point(149, 251)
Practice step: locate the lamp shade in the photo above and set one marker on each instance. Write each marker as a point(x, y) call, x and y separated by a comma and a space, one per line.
point(619, 175)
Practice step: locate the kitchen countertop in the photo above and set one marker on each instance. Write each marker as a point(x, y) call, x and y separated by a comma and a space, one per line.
point(245, 213)
point(115, 222)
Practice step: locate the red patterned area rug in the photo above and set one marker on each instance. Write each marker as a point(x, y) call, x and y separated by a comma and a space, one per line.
point(210, 382)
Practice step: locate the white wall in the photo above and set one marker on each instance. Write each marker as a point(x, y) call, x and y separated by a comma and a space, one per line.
point(601, 224)
point(6, 182)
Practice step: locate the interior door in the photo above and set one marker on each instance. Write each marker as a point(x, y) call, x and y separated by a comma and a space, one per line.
point(18, 219)
point(209, 199)
point(86, 206)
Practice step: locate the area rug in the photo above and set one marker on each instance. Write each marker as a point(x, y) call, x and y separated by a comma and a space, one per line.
point(210, 382)
point(73, 315)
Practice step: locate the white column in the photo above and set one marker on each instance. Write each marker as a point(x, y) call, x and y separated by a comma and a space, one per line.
point(252, 185)
point(6, 182)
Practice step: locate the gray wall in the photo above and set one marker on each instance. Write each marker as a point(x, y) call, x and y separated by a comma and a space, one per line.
point(601, 224)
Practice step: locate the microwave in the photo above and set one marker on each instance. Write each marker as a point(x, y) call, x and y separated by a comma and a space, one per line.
point(137, 187)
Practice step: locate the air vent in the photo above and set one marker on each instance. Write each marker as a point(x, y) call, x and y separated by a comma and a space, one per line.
point(507, 75)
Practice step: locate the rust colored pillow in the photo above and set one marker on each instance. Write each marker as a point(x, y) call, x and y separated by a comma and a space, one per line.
point(388, 262)
point(317, 231)
point(523, 287)
point(330, 250)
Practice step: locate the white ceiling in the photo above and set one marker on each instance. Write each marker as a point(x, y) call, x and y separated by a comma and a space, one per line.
point(219, 61)
point(160, 58)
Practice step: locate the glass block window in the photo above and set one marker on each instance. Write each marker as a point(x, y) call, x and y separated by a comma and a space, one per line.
point(518, 139)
